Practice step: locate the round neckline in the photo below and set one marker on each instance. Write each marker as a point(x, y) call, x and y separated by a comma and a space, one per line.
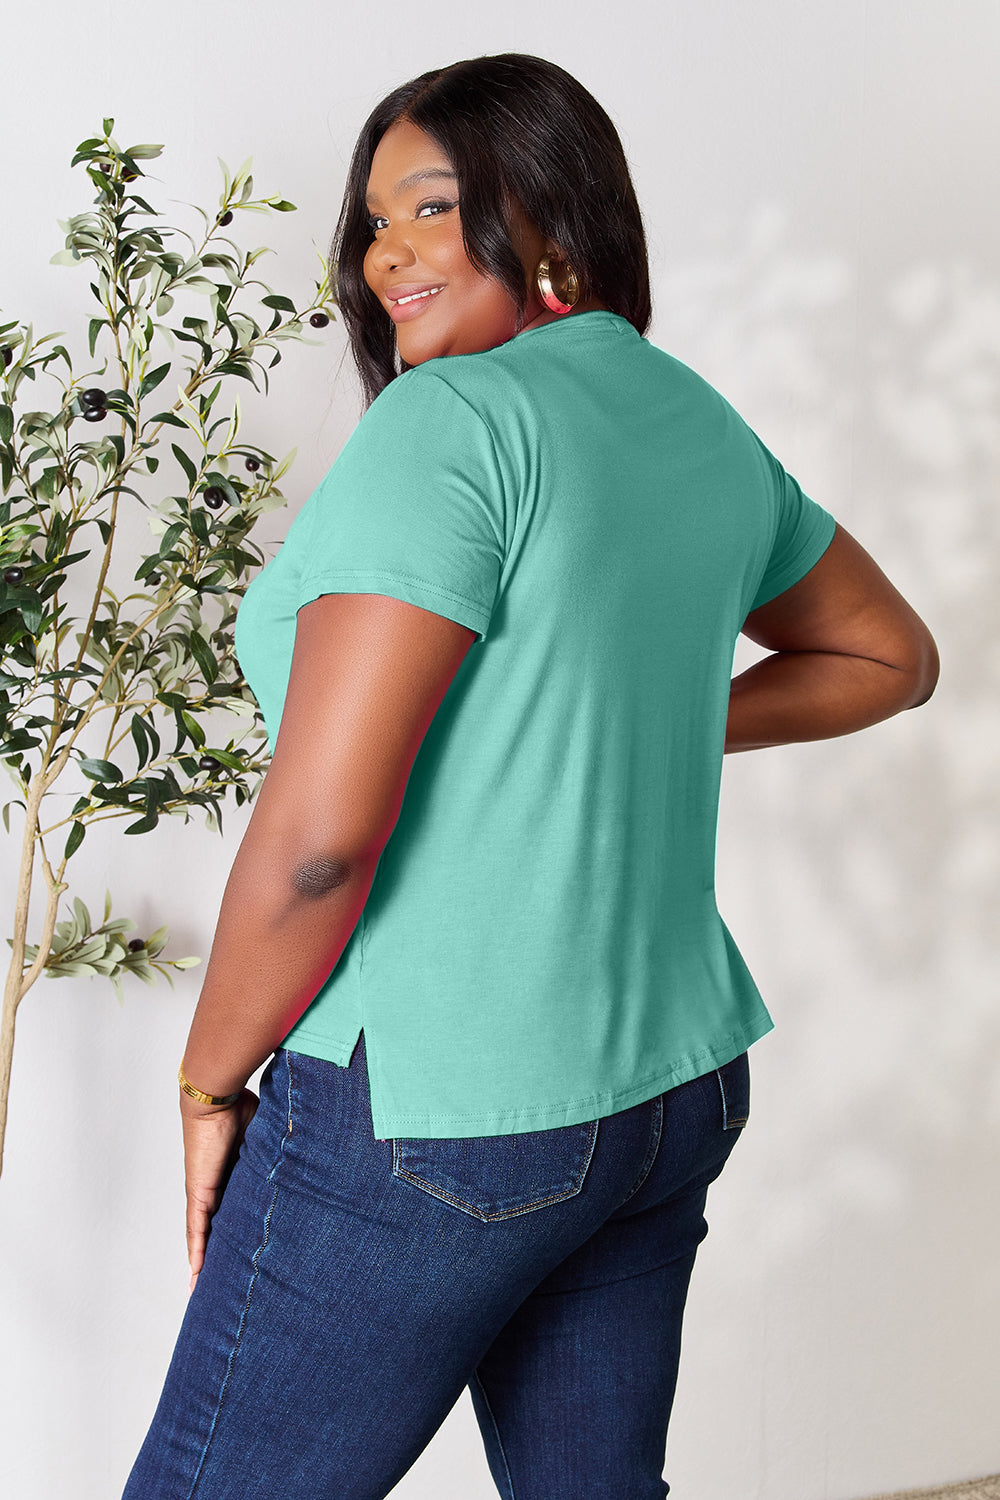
point(597, 315)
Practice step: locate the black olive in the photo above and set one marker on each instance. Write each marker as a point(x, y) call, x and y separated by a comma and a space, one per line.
point(214, 498)
point(8, 355)
point(94, 413)
point(319, 320)
point(251, 465)
point(13, 575)
point(227, 218)
point(208, 763)
point(136, 945)
point(94, 397)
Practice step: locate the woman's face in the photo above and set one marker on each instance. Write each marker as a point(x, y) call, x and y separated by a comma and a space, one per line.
point(417, 253)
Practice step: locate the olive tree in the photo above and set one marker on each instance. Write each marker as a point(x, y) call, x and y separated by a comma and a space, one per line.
point(120, 699)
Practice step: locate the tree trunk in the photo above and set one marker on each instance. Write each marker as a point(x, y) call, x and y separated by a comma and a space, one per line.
point(11, 1000)
point(18, 982)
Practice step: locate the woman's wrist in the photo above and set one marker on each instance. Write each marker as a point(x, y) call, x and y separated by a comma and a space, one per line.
point(201, 1096)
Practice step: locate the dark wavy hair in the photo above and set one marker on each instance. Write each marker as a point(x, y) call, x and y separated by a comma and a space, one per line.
point(516, 129)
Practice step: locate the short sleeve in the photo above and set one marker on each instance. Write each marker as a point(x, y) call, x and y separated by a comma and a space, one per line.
point(413, 507)
point(802, 532)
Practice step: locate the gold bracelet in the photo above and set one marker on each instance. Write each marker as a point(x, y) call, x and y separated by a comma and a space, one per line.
point(194, 1093)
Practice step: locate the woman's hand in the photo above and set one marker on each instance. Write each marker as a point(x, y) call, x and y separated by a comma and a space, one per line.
point(212, 1138)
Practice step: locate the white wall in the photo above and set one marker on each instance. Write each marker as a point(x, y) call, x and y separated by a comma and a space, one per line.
point(820, 187)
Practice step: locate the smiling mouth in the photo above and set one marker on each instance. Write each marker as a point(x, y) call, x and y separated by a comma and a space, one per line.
point(416, 296)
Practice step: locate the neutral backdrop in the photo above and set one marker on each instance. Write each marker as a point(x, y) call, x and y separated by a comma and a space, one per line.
point(820, 190)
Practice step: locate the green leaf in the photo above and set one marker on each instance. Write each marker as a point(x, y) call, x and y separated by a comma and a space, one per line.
point(141, 739)
point(185, 463)
point(283, 304)
point(120, 924)
point(145, 824)
point(75, 839)
point(207, 402)
point(185, 963)
point(83, 923)
point(6, 812)
point(206, 661)
point(45, 484)
point(152, 464)
point(152, 380)
point(143, 153)
point(31, 613)
point(6, 424)
point(107, 125)
point(124, 489)
point(282, 206)
point(199, 525)
point(223, 482)
point(100, 770)
point(170, 537)
point(13, 744)
point(231, 367)
point(193, 728)
point(93, 329)
point(227, 758)
point(154, 738)
point(116, 795)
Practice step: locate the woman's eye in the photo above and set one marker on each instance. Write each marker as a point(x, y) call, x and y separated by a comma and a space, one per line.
point(426, 210)
point(436, 207)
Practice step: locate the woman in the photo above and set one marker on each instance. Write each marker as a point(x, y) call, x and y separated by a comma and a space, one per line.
point(508, 1026)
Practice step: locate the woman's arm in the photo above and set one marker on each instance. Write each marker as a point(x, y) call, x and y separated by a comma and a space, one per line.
point(848, 652)
point(368, 675)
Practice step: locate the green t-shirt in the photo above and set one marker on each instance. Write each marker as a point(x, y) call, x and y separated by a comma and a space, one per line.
point(541, 944)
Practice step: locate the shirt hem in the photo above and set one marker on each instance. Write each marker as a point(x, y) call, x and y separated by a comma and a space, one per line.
point(795, 570)
point(323, 1047)
point(427, 1125)
point(400, 586)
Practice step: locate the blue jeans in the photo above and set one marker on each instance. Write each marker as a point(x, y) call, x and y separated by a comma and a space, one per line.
point(354, 1287)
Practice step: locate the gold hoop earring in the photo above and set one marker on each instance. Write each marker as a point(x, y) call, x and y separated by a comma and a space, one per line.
point(566, 298)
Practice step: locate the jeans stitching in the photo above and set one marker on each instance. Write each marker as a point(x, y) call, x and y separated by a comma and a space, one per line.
point(496, 1433)
point(654, 1147)
point(432, 1189)
point(253, 1278)
point(729, 1122)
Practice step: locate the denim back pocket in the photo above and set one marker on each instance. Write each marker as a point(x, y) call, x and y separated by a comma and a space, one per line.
point(734, 1085)
point(499, 1176)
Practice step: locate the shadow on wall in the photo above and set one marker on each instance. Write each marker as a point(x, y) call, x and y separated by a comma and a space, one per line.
point(860, 878)
point(883, 844)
